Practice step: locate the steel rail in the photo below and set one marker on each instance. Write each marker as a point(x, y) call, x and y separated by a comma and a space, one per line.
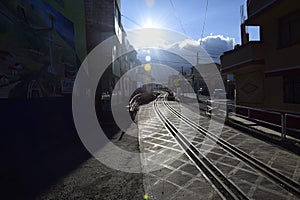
point(227, 189)
point(283, 181)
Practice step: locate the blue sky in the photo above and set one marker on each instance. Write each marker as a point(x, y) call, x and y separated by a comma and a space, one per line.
point(185, 16)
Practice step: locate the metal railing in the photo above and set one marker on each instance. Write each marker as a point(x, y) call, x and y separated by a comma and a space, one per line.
point(286, 119)
point(134, 102)
point(283, 125)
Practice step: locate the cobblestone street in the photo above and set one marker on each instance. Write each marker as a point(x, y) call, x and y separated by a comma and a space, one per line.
point(168, 173)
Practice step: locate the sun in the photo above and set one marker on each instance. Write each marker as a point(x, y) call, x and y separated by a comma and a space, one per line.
point(147, 37)
point(150, 24)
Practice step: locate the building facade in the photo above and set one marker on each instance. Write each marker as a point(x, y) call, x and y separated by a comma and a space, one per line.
point(266, 68)
point(103, 21)
point(43, 43)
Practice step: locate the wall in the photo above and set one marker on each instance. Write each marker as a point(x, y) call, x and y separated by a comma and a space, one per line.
point(36, 115)
point(250, 86)
point(42, 45)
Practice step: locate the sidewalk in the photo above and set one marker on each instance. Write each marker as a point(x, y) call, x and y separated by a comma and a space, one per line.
point(94, 180)
point(254, 128)
point(265, 133)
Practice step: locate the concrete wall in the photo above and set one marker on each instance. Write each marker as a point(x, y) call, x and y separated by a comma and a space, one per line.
point(31, 128)
point(39, 145)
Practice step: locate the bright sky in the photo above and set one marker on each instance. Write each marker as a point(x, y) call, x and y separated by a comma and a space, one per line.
point(185, 16)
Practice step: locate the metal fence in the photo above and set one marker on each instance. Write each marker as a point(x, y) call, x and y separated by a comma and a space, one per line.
point(277, 119)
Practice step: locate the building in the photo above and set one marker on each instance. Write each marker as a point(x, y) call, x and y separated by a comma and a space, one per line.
point(41, 42)
point(103, 20)
point(42, 46)
point(50, 39)
point(266, 66)
point(208, 76)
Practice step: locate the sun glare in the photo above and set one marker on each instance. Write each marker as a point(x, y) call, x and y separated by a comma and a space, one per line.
point(150, 24)
point(147, 37)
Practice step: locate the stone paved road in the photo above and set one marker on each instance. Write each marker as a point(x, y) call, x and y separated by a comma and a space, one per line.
point(169, 174)
point(178, 176)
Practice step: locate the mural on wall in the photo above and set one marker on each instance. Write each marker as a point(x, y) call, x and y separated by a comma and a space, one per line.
point(37, 50)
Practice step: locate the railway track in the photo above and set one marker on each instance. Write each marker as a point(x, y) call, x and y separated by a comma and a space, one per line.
point(227, 188)
point(224, 186)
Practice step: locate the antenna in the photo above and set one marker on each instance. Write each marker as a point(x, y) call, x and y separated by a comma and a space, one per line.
point(242, 9)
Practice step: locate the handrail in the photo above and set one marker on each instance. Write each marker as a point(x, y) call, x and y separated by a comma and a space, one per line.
point(259, 109)
point(258, 120)
point(134, 97)
point(133, 104)
point(283, 116)
point(290, 115)
point(251, 108)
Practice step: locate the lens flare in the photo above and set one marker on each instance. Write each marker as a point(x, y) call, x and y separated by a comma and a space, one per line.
point(146, 196)
point(147, 67)
point(150, 3)
point(148, 58)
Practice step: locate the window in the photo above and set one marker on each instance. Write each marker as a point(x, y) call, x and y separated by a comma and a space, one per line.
point(289, 29)
point(292, 89)
point(253, 32)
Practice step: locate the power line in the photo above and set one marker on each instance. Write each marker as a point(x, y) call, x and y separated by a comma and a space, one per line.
point(177, 16)
point(204, 21)
point(131, 20)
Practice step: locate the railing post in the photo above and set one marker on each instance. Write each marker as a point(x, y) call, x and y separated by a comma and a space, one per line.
point(227, 113)
point(248, 113)
point(283, 126)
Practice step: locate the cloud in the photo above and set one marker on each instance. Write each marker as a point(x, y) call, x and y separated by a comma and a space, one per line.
point(212, 47)
point(217, 45)
point(189, 42)
point(188, 49)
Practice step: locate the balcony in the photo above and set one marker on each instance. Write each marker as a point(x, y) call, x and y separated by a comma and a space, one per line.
point(251, 53)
